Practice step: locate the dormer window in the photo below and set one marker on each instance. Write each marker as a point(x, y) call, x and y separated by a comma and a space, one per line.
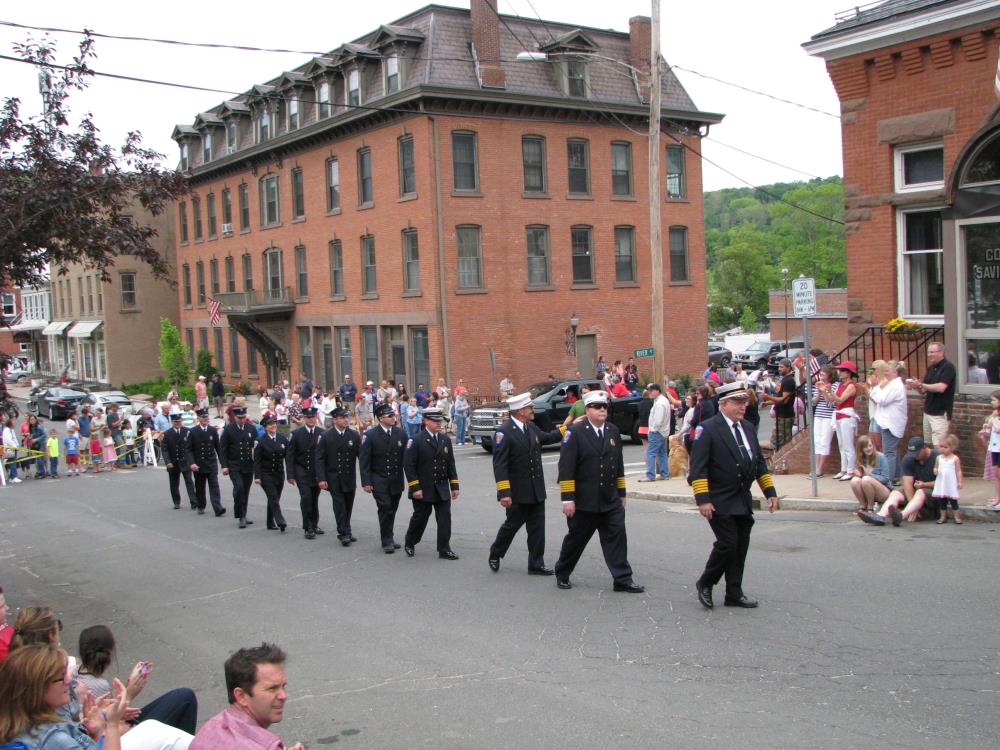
point(576, 78)
point(231, 136)
point(391, 74)
point(184, 156)
point(206, 147)
point(324, 100)
point(263, 125)
point(293, 113)
point(354, 88)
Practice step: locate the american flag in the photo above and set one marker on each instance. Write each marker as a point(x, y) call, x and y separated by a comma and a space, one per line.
point(215, 311)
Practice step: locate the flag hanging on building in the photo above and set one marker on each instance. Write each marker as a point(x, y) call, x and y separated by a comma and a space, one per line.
point(215, 311)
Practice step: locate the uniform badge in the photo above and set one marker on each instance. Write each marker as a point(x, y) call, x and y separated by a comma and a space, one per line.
point(498, 438)
point(613, 440)
point(351, 442)
point(399, 443)
point(697, 431)
point(409, 443)
point(567, 436)
point(364, 438)
point(446, 449)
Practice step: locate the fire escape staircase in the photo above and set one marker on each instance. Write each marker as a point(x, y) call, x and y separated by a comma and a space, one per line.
point(261, 317)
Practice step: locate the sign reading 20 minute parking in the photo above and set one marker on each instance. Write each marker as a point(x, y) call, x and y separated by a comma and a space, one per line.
point(804, 297)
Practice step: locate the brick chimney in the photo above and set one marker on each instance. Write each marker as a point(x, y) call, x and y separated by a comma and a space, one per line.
point(639, 49)
point(486, 40)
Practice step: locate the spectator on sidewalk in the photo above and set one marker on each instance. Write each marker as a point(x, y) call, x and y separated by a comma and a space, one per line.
point(784, 405)
point(462, 410)
point(887, 398)
point(915, 495)
point(348, 391)
point(845, 417)
point(659, 431)
point(938, 389)
point(218, 395)
point(871, 482)
point(201, 392)
point(256, 687)
point(507, 387)
point(823, 419)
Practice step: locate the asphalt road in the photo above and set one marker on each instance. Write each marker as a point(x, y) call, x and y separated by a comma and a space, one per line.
point(865, 637)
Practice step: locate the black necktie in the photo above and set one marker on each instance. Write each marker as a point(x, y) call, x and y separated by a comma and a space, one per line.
point(600, 434)
point(739, 441)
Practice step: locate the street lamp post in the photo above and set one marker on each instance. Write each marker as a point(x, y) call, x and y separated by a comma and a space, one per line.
point(784, 293)
point(655, 221)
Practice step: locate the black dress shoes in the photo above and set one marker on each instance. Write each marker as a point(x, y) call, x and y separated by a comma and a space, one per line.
point(248, 522)
point(353, 538)
point(310, 534)
point(408, 550)
point(272, 527)
point(243, 523)
point(542, 571)
point(563, 582)
point(201, 511)
point(388, 549)
point(346, 541)
point(629, 587)
point(318, 530)
point(177, 506)
point(220, 512)
point(743, 601)
point(447, 555)
point(282, 527)
point(704, 595)
point(395, 545)
point(495, 564)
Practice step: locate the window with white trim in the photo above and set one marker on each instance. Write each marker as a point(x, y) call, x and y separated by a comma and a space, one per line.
point(354, 88)
point(391, 74)
point(324, 100)
point(921, 263)
point(919, 166)
point(293, 113)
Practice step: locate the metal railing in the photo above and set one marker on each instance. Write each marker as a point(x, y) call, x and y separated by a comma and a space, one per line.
point(255, 300)
point(877, 343)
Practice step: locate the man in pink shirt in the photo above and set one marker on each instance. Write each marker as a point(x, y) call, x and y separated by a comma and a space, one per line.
point(255, 681)
point(201, 392)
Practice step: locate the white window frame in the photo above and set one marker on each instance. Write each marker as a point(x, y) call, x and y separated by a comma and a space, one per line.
point(898, 156)
point(206, 146)
point(965, 334)
point(901, 265)
point(325, 102)
point(292, 114)
point(353, 85)
point(184, 155)
point(263, 120)
point(232, 136)
point(392, 69)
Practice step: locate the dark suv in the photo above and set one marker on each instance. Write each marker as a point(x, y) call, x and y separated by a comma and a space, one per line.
point(758, 353)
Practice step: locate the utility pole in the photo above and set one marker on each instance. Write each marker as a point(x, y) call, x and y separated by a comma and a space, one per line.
point(655, 223)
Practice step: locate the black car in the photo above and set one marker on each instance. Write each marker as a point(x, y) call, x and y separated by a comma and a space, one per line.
point(56, 403)
point(790, 354)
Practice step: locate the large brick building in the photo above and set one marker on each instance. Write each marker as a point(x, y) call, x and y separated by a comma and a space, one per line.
point(921, 140)
point(420, 204)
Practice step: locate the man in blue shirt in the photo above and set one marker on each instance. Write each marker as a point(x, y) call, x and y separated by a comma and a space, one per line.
point(348, 391)
point(422, 396)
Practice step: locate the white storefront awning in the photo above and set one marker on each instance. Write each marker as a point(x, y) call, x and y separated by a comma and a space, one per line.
point(56, 327)
point(84, 328)
point(30, 325)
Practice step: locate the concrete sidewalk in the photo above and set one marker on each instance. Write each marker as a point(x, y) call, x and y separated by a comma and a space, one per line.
point(795, 493)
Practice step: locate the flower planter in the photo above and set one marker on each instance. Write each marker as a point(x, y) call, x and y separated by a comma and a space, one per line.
point(903, 335)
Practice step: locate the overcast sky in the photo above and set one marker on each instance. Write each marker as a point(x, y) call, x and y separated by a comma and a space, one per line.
point(756, 45)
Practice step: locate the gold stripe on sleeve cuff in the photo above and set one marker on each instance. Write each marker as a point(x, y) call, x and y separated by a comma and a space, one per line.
point(567, 485)
point(454, 481)
point(621, 483)
point(700, 486)
point(503, 484)
point(414, 483)
point(765, 482)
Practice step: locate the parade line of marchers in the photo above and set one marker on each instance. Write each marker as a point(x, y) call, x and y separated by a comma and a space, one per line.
point(725, 462)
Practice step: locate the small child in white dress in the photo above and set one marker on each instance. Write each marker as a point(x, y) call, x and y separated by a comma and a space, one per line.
point(948, 478)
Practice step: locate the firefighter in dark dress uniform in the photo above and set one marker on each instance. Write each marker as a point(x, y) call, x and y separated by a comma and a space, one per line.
point(725, 462)
point(203, 458)
point(429, 463)
point(336, 464)
point(592, 484)
point(381, 460)
point(269, 470)
point(300, 461)
point(175, 454)
point(236, 454)
point(517, 470)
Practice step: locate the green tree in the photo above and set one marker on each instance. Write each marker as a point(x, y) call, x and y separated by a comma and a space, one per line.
point(744, 272)
point(173, 354)
point(748, 320)
point(203, 364)
point(810, 245)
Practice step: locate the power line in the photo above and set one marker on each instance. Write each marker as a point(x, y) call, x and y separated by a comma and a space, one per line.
point(753, 91)
point(717, 142)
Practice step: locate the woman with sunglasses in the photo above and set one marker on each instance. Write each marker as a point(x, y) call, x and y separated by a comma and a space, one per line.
point(35, 690)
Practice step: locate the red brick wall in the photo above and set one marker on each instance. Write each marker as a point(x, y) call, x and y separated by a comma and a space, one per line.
point(525, 328)
point(953, 70)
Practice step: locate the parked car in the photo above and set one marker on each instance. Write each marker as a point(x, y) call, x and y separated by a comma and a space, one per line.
point(774, 359)
point(101, 399)
point(719, 354)
point(16, 371)
point(55, 403)
point(551, 408)
point(757, 354)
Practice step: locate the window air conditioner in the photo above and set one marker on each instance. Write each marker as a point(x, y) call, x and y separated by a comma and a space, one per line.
point(227, 229)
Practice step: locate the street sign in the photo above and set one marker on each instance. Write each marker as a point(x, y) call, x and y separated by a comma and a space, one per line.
point(640, 353)
point(804, 297)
